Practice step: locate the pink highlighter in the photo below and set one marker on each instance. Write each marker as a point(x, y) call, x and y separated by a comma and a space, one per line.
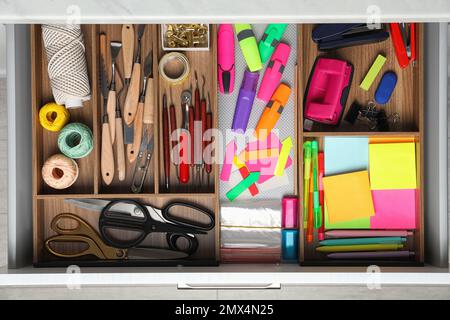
point(274, 71)
point(225, 58)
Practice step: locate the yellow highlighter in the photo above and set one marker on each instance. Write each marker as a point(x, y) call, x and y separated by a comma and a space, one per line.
point(272, 112)
point(360, 247)
point(306, 177)
point(249, 46)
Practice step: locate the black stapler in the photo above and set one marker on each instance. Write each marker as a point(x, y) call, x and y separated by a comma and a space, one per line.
point(340, 35)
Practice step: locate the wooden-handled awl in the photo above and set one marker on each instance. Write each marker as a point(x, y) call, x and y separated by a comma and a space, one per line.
point(127, 51)
point(120, 148)
point(131, 101)
point(107, 156)
point(144, 112)
point(112, 96)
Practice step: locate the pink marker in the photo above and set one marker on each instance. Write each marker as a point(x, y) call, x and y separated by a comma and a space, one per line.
point(225, 58)
point(274, 71)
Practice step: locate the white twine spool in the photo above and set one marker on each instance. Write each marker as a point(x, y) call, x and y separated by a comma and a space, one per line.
point(67, 68)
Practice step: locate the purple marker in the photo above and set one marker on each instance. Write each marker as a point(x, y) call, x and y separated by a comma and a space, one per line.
point(245, 101)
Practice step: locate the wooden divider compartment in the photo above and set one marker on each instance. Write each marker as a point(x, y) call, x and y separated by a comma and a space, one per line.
point(50, 207)
point(47, 202)
point(407, 100)
point(114, 33)
point(204, 62)
point(414, 242)
point(45, 141)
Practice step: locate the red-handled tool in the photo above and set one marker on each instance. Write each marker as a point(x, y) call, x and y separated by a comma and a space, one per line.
point(208, 164)
point(186, 97)
point(172, 119)
point(166, 142)
point(203, 119)
point(191, 133)
point(197, 135)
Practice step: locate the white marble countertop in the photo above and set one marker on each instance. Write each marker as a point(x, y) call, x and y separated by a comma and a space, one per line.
point(160, 11)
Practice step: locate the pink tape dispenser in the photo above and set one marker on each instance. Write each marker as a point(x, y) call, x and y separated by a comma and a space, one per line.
point(274, 71)
point(225, 58)
point(327, 90)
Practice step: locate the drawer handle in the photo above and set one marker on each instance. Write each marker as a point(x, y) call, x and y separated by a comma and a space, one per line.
point(228, 286)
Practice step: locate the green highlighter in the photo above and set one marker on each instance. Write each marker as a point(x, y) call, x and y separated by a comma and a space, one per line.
point(306, 177)
point(270, 40)
point(316, 200)
point(249, 46)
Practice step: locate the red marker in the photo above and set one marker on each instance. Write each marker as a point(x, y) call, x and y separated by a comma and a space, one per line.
point(321, 196)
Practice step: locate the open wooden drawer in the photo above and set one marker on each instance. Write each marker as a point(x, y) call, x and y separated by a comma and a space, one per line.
point(419, 88)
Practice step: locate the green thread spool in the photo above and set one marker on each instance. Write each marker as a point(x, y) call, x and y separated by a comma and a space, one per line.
point(75, 140)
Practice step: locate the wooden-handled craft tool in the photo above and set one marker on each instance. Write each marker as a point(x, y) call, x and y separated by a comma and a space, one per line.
point(120, 148)
point(115, 47)
point(132, 149)
point(208, 162)
point(127, 51)
point(165, 144)
point(107, 156)
point(131, 101)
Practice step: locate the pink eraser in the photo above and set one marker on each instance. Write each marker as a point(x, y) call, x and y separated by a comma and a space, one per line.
point(230, 152)
point(274, 71)
point(289, 218)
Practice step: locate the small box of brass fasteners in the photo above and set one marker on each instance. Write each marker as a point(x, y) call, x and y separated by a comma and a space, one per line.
point(185, 37)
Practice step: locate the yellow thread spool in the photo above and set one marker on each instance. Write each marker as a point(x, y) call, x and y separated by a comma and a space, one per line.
point(53, 116)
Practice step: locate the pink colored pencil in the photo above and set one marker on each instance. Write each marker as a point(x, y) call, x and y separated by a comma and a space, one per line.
point(366, 233)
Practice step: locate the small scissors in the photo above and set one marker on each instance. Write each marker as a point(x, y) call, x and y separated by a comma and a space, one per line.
point(141, 220)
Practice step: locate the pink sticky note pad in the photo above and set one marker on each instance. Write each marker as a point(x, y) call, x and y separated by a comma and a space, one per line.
point(394, 209)
point(230, 151)
point(265, 166)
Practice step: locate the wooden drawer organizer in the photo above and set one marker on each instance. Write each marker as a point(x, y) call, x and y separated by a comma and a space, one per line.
point(48, 202)
point(407, 101)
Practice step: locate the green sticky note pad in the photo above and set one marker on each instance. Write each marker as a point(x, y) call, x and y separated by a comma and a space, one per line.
point(373, 72)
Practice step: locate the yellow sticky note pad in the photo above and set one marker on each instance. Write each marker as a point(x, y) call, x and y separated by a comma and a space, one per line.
point(348, 196)
point(392, 166)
